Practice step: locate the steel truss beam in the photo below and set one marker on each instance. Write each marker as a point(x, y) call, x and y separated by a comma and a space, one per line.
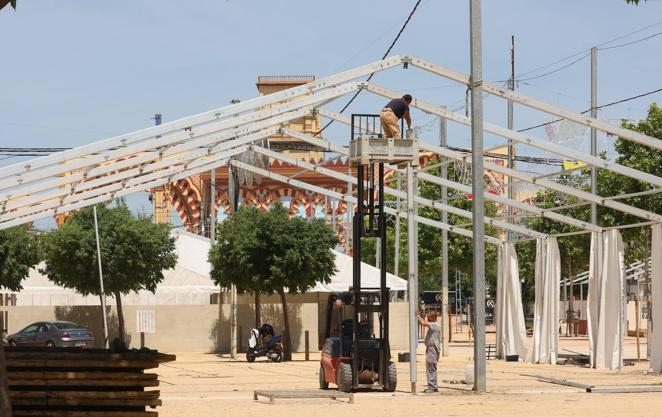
point(353, 200)
point(110, 194)
point(64, 190)
point(537, 104)
point(59, 180)
point(202, 118)
point(523, 177)
point(545, 183)
point(396, 193)
point(423, 201)
point(522, 137)
point(193, 137)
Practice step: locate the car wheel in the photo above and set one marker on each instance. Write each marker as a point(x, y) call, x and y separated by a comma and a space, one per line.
point(12, 343)
point(344, 377)
point(50, 344)
point(323, 383)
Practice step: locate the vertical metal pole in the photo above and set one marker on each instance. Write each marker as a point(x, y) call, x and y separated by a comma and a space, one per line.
point(212, 206)
point(412, 283)
point(398, 206)
point(594, 133)
point(445, 335)
point(511, 149)
point(103, 295)
point(478, 208)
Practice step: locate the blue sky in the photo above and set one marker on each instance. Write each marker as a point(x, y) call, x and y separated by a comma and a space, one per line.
point(78, 71)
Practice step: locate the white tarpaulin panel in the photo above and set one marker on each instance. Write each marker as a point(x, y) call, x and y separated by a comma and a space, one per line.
point(606, 300)
point(545, 344)
point(511, 329)
point(656, 298)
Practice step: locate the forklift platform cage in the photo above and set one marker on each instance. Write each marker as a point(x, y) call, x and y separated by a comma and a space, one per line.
point(368, 149)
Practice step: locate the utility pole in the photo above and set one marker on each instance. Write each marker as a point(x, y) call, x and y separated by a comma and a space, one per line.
point(445, 317)
point(594, 132)
point(478, 208)
point(412, 282)
point(511, 149)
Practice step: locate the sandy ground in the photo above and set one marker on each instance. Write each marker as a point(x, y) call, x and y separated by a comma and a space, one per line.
point(202, 385)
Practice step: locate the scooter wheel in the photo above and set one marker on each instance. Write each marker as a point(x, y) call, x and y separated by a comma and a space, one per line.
point(278, 357)
point(250, 357)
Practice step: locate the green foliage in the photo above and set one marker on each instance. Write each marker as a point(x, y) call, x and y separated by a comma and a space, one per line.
point(269, 251)
point(19, 251)
point(635, 2)
point(134, 252)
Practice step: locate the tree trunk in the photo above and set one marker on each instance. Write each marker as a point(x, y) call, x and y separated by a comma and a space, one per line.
point(5, 403)
point(287, 354)
point(258, 317)
point(120, 317)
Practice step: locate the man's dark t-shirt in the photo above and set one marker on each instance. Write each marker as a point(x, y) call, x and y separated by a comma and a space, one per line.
point(399, 107)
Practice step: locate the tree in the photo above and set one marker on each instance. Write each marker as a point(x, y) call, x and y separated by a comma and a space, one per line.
point(278, 254)
point(635, 2)
point(18, 253)
point(134, 253)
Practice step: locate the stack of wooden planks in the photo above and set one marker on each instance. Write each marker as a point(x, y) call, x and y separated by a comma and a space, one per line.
point(75, 382)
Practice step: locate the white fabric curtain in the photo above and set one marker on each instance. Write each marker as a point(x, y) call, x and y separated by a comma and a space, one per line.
point(545, 344)
point(511, 330)
point(606, 300)
point(656, 298)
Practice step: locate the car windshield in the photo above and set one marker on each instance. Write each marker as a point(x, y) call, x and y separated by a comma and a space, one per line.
point(67, 325)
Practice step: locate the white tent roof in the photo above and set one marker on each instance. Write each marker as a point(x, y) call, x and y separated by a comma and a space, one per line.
point(192, 250)
point(188, 282)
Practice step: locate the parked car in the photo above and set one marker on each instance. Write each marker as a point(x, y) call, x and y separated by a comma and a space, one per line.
point(52, 334)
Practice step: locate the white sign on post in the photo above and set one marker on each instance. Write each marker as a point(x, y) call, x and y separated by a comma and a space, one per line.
point(146, 321)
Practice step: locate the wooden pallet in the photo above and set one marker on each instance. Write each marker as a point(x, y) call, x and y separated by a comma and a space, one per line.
point(66, 382)
point(294, 394)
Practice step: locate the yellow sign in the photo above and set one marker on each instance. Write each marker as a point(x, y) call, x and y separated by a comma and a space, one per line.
point(568, 165)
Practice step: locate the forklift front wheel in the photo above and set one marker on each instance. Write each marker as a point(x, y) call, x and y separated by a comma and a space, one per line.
point(392, 379)
point(344, 377)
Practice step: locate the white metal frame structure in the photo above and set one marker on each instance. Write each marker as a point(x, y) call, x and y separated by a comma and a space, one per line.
point(141, 160)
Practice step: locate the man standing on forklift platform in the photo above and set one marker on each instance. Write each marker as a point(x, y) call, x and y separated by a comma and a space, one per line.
point(395, 110)
point(432, 348)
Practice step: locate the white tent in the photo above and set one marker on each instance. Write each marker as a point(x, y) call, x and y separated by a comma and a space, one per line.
point(187, 283)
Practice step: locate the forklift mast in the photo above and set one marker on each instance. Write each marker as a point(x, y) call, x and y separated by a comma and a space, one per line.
point(369, 221)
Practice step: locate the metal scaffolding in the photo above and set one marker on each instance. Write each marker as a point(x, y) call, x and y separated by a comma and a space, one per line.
point(99, 172)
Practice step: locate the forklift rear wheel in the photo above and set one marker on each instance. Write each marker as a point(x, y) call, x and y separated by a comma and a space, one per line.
point(323, 383)
point(392, 378)
point(344, 377)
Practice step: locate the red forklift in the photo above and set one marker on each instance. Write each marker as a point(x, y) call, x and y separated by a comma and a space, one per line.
point(356, 353)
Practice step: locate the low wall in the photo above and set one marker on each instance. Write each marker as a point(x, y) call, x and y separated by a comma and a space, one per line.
point(200, 328)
